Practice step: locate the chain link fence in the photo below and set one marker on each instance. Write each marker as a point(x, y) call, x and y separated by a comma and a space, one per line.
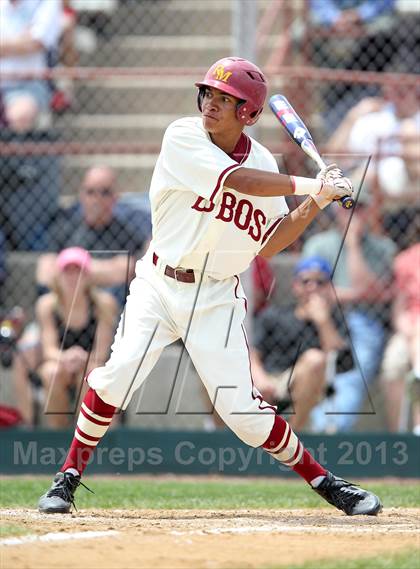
point(87, 114)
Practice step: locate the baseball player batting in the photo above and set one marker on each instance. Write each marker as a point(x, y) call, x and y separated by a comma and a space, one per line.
point(217, 201)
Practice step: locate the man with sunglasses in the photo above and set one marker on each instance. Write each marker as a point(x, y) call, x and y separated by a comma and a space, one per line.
point(94, 225)
point(293, 343)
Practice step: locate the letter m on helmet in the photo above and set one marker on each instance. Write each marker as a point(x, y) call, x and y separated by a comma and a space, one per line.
point(220, 73)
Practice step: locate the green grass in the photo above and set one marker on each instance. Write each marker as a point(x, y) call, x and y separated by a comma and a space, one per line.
point(409, 559)
point(11, 530)
point(194, 494)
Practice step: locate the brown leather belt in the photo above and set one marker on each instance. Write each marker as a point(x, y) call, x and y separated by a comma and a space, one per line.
point(182, 275)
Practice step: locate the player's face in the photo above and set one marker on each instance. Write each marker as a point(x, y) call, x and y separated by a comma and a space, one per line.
point(219, 112)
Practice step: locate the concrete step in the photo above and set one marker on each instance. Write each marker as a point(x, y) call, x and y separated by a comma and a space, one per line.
point(160, 17)
point(156, 95)
point(126, 52)
point(164, 51)
point(131, 96)
point(183, 17)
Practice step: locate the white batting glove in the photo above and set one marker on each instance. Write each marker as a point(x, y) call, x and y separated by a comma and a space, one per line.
point(333, 189)
point(330, 172)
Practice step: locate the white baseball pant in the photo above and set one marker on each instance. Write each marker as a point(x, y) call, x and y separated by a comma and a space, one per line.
point(208, 316)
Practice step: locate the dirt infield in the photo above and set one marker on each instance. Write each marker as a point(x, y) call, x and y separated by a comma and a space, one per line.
point(160, 539)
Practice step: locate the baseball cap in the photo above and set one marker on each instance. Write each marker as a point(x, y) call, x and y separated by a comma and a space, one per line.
point(313, 263)
point(74, 256)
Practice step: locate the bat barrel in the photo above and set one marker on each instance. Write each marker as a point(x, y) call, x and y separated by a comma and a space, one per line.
point(299, 133)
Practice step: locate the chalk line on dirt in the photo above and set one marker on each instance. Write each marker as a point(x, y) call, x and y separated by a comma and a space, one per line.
point(57, 536)
point(300, 529)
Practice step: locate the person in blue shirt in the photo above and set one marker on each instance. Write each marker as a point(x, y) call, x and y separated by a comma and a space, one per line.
point(343, 15)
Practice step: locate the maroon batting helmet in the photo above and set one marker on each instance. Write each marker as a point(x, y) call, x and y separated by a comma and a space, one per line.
point(240, 78)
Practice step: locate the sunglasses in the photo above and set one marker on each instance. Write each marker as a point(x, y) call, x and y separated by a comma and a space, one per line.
point(318, 282)
point(104, 192)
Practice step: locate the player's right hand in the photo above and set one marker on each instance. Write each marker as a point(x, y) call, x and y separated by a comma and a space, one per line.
point(332, 189)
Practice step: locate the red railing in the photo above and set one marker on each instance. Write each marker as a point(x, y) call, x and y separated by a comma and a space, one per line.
point(316, 74)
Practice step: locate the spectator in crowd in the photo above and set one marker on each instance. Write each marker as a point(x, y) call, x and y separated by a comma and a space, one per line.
point(391, 125)
point(30, 185)
point(362, 264)
point(346, 16)
point(293, 343)
point(28, 29)
point(401, 366)
point(77, 323)
point(351, 34)
point(93, 224)
point(375, 124)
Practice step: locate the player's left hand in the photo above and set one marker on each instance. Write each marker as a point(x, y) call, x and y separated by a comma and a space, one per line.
point(329, 173)
point(331, 190)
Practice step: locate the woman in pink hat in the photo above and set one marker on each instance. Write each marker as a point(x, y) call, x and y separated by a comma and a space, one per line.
point(77, 325)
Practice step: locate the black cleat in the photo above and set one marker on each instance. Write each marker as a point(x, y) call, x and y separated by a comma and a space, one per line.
point(348, 497)
point(60, 497)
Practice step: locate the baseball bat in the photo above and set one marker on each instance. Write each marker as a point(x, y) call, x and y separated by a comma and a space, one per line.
point(299, 133)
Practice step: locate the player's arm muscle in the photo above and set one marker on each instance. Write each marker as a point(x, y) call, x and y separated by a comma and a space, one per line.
point(260, 183)
point(290, 228)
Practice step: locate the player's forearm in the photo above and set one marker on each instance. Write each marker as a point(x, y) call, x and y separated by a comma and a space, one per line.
point(23, 45)
point(292, 226)
point(255, 182)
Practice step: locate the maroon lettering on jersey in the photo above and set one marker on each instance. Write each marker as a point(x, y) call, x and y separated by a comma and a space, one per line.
point(200, 205)
point(260, 219)
point(227, 207)
point(243, 214)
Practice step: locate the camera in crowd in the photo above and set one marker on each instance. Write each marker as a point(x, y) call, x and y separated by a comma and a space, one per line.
point(11, 327)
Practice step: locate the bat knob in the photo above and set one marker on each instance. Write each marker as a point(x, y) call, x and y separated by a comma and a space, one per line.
point(347, 202)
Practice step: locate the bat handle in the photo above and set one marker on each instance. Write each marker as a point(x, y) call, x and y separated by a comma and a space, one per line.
point(346, 202)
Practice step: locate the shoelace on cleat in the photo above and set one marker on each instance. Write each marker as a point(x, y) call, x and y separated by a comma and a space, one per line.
point(346, 495)
point(66, 487)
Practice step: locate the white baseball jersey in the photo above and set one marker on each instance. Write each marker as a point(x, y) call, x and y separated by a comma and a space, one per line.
point(194, 215)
